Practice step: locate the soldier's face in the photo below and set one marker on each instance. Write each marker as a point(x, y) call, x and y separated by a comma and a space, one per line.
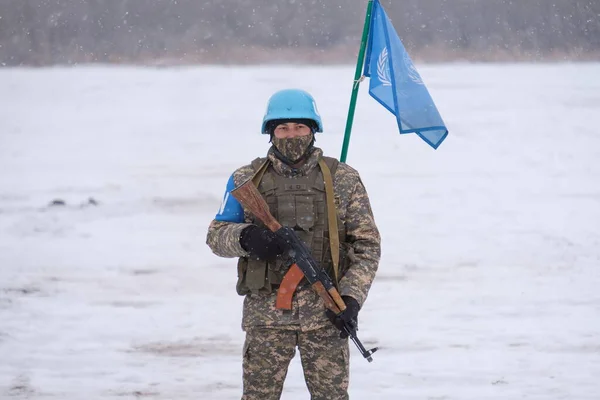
point(291, 130)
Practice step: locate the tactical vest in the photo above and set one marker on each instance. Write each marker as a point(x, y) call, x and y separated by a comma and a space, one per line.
point(300, 203)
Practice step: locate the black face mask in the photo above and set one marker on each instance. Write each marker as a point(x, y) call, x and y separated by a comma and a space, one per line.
point(293, 149)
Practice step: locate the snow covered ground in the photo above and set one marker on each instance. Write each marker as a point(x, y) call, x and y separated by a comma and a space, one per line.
point(489, 284)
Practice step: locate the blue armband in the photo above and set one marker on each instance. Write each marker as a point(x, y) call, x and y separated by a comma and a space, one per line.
point(231, 210)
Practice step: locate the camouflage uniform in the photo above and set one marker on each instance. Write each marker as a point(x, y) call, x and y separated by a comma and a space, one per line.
point(272, 334)
point(268, 352)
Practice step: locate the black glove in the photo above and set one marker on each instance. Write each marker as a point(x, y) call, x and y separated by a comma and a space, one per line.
point(350, 315)
point(261, 243)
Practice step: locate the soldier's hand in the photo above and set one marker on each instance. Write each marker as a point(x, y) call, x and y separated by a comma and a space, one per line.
point(261, 243)
point(348, 316)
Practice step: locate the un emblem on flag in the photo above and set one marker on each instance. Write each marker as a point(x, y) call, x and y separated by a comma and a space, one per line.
point(383, 68)
point(411, 70)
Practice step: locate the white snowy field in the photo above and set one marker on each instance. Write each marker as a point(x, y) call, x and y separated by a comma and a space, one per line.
point(489, 283)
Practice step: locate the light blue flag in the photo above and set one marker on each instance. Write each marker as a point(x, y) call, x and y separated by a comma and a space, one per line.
point(396, 84)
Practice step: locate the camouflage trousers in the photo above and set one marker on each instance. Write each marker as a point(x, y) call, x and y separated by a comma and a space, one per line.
point(268, 353)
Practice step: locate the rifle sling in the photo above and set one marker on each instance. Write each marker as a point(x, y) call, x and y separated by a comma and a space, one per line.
point(334, 238)
point(258, 175)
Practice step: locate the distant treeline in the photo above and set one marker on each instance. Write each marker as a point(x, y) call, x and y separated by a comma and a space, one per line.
point(45, 32)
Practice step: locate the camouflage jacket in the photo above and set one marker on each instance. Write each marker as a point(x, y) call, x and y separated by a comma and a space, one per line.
point(362, 235)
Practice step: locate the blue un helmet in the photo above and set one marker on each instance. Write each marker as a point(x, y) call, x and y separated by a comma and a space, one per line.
point(291, 104)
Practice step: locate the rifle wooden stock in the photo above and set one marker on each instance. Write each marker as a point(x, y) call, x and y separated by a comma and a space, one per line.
point(250, 198)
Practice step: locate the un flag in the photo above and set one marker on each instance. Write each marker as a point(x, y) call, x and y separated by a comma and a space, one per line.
point(396, 84)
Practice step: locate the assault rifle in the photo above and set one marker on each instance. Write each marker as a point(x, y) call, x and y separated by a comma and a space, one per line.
point(304, 265)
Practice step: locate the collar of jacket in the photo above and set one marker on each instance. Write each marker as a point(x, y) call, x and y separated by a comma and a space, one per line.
point(304, 169)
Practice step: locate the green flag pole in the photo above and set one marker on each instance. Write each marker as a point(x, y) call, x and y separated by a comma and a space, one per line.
point(357, 76)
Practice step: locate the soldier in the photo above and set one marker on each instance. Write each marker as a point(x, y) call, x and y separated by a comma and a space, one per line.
point(292, 180)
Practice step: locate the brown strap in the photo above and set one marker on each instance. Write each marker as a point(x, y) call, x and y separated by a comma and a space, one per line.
point(258, 175)
point(287, 287)
point(334, 238)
